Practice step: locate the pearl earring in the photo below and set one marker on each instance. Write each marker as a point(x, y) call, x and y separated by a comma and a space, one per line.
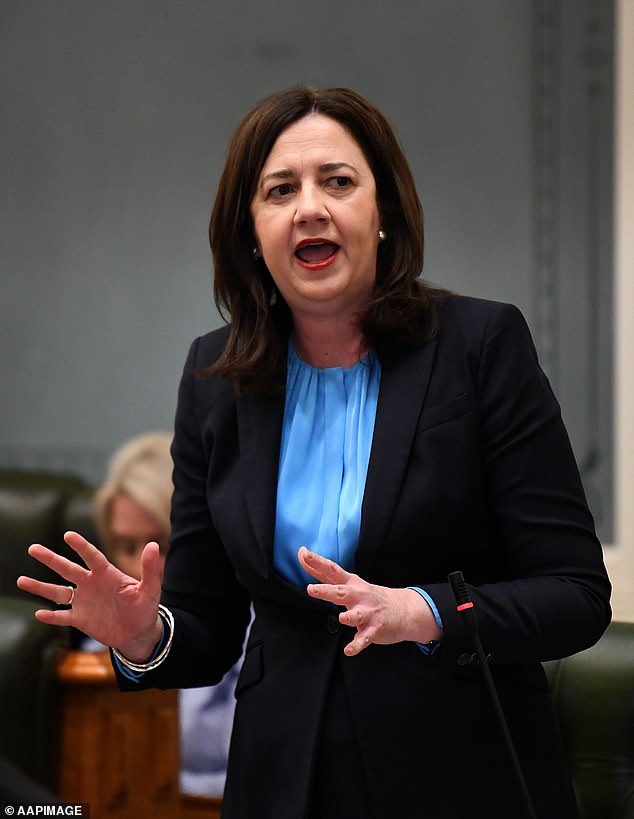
point(381, 235)
point(256, 253)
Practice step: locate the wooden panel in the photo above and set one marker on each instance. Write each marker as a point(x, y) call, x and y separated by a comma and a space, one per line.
point(200, 807)
point(119, 752)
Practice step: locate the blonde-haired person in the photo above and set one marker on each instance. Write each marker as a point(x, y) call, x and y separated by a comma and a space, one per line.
point(132, 508)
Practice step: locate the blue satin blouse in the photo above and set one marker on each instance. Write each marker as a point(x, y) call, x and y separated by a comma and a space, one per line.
point(327, 434)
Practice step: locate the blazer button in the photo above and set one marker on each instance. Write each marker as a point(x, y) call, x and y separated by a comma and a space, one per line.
point(468, 659)
point(472, 659)
point(332, 624)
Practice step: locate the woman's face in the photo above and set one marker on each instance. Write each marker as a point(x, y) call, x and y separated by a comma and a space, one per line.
point(131, 527)
point(316, 219)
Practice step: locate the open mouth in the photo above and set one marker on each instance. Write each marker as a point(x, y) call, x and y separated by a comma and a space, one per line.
point(316, 252)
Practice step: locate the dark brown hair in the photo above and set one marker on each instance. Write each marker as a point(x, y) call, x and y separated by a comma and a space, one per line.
point(401, 307)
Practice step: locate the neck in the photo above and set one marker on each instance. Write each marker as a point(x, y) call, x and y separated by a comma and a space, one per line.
point(329, 344)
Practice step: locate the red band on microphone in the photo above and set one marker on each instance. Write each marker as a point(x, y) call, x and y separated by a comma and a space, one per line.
point(464, 606)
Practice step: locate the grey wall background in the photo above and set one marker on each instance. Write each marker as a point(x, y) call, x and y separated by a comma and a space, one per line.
point(114, 121)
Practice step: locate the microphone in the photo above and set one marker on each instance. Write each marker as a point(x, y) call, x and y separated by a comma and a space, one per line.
point(466, 608)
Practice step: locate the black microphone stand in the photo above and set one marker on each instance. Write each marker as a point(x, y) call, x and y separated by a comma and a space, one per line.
point(466, 609)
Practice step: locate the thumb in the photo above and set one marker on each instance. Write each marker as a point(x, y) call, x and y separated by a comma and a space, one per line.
point(151, 568)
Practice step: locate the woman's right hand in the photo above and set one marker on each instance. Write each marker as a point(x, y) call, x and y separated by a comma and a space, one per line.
point(107, 605)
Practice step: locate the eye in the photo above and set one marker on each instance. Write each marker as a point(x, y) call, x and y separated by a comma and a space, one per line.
point(340, 181)
point(128, 548)
point(281, 191)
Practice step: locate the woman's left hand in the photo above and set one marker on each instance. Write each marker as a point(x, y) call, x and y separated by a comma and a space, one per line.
point(380, 615)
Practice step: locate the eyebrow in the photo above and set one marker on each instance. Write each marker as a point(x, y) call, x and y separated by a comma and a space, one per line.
point(327, 167)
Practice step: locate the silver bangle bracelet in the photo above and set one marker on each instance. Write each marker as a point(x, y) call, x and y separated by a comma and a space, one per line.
point(168, 619)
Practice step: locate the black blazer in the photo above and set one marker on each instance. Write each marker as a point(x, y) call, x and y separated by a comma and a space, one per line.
point(470, 469)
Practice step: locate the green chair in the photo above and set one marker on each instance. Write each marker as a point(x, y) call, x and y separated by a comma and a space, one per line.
point(594, 697)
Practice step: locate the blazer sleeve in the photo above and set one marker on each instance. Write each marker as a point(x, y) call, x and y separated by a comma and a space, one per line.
point(553, 598)
point(211, 608)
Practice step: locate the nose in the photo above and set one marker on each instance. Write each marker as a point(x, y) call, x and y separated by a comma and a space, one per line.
point(310, 206)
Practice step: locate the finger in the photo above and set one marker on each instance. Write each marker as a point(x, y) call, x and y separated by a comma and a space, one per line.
point(60, 565)
point(55, 617)
point(93, 557)
point(28, 584)
point(60, 595)
point(355, 617)
point(339, 595)
point(361, 641)
point(321, 567)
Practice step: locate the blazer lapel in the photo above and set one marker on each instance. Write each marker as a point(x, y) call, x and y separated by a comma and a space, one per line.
point(404, 383)
point(260, 432)
point(403, 388)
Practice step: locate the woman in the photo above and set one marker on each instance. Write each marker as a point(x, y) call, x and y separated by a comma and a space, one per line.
point(132, 506)
point(398, 432)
